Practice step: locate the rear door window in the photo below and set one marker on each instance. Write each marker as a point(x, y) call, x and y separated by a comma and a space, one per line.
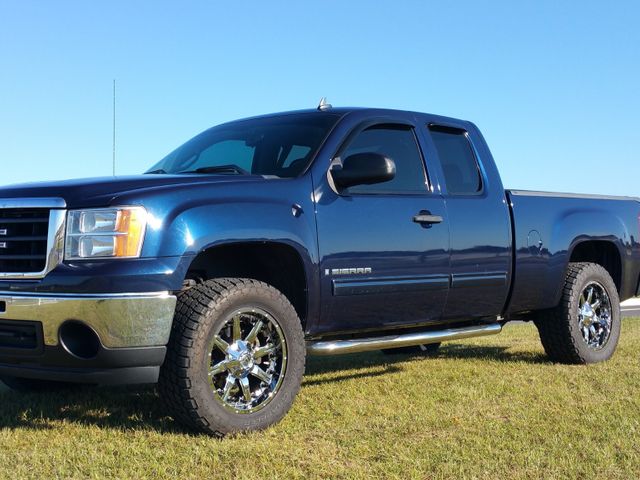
point(460, 167)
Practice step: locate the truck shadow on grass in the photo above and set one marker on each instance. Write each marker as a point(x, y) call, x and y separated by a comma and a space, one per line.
point(363, 362)
point(140, 408)
point(124, 408)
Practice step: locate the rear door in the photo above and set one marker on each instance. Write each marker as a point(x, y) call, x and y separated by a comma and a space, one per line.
point(478, 218)
point(380, 266)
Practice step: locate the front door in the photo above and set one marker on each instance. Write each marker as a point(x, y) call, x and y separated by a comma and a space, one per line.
point(384, 262)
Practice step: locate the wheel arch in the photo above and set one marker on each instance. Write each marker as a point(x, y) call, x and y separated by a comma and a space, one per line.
point(281, 264)
point(605, 253)
point(601, 243)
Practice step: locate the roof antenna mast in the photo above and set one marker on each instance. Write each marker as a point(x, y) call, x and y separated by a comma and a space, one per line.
point(323, 105)
point(114, 127)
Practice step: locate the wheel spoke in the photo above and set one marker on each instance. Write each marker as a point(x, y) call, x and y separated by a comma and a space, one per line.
point(237, 331)
point(264, 350)
point(594, 334)
point(597, 320)
point(251, 371)
point(231, 380)
point(220, 343)
point(260, 374)
point(246, 390)
point(254, 332)
point(217, 368)
point(594, 315)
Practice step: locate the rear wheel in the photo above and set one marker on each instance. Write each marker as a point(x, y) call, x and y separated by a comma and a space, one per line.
point(428, 349)
point(235, 359)
point(585, 326)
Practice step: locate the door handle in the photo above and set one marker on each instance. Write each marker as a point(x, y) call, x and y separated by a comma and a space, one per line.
point(425, 218)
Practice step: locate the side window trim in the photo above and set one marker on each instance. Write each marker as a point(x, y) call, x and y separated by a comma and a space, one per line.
point(443, 127)
point(392, 123)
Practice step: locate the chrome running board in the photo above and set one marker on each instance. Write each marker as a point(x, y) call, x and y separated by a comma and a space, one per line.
point(355, 345)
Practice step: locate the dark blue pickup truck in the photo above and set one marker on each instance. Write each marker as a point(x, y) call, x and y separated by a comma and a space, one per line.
point(316, 232)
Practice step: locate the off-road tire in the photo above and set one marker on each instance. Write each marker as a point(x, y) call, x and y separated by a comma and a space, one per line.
point(428, 349)
point(183, 382)
point(559, 327)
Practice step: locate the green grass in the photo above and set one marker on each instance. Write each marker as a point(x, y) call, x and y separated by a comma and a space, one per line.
point(487, 408)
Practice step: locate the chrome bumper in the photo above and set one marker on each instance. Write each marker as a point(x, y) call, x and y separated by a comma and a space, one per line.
point(120, 320)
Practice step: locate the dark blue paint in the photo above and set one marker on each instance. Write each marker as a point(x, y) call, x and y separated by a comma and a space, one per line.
point(496, 253)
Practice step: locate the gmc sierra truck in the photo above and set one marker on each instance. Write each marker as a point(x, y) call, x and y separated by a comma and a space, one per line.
point(315, 232)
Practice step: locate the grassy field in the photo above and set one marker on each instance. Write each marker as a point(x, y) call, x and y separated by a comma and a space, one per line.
point(486, 408)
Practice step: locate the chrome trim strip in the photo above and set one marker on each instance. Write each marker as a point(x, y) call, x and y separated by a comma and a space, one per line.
point(35, 202)
point(364, 286)
point(338, 347)
point(55, 240)
point(128, 320)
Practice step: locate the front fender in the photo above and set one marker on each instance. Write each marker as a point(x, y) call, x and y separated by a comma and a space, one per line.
point(201, 227)
point(189, 221)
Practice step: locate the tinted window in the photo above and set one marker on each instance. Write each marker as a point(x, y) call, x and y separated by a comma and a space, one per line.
point(278, 145)
point(399, 144)
point(234, 151)
point(461, 173)
point(294, 154)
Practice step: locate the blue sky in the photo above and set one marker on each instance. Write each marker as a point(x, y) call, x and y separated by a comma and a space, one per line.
point(554, 86)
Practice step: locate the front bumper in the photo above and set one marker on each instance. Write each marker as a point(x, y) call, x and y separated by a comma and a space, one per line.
point(127, 335)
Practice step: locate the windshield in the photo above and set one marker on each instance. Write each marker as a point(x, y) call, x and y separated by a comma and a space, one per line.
point(280, 146)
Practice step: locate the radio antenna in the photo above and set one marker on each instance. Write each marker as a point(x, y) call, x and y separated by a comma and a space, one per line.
point(114, 127)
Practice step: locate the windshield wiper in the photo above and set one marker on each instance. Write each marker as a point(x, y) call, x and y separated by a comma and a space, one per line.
point(231, 168)
point(159, 171)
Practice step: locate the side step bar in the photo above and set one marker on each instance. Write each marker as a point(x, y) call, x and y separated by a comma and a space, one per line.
point(355, 345)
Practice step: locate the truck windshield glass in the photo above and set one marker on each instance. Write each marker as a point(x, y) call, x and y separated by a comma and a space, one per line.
point(280, 146)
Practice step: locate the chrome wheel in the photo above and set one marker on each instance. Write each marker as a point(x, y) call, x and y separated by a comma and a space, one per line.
point(594, 315)
point(247, 361)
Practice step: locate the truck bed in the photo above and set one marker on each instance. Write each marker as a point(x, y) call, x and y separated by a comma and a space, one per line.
point(549, 231)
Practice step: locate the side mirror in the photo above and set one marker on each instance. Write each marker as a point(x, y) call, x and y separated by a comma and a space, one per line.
point(363, 169)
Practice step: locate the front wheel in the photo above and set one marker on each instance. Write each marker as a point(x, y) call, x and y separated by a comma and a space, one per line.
point(585, 326)
point(235, 358)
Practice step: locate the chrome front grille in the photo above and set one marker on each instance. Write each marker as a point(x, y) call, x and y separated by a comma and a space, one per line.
point(31, 237)
point(23, 239)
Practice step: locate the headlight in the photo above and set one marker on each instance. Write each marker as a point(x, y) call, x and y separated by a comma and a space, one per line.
point(105, 233)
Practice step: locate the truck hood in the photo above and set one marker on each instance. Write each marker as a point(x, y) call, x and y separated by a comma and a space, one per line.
point(104, 191)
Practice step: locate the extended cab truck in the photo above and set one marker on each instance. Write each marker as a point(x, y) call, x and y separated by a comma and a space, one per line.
point(315, 232)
